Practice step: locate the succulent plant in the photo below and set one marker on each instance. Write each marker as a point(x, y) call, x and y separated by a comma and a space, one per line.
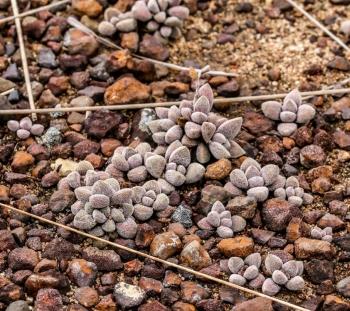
point(286, 274)
point(221, 219)
point(162, 17)
point(244, 271)
point(25, 127)
point(254, 180)
point(138, 162)
point(194, 126)
point(148, 199)
point(293, 193)
point(325, 234)
point(290, 113)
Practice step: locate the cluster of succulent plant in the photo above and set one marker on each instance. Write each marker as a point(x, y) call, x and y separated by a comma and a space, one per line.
point(148, 199)
point(254, 180)
point(101, 206)
point(193, 125)
point(290, 113)
point(245, 271)
point(220, 219)
point(293, 193)
point(162, 17)
point(179, 169)
point(286, 274)
point(25, 127)
point(138, 162)
point(325, 234)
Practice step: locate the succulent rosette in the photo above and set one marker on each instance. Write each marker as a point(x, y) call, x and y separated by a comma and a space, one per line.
point(290, 113)
point(25, 127)
point(164, 18)
point(222, 221)
point(194, 126)
point(293, 193)
point(255, 181)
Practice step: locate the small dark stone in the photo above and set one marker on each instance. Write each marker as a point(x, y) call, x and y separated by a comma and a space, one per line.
point(183, 215)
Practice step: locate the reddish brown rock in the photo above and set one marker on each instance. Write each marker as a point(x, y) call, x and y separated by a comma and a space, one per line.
point(240, 246)
point(87, 296)
point(91, 8)
point(82, 272)
point(22, 161)
point(276, 214)
point(23, 258)
point(257, 123)
point(48, 299)
point(218, 170)
point(150, 46)
point(126, 90)
point(308, 248)
point(151, 286)
point(195, 256)
point(7, 241)
point(192, 292)
point(165, 245)
point(256, 304)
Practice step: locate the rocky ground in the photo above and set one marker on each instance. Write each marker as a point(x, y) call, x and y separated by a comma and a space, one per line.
point(300, 232)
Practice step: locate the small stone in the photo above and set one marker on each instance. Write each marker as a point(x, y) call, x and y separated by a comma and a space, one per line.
point(343, 287)
point(128, 296)
point(240, 246)
point(87, 296)
point(195, 256)
point(91, 8)
point(218, 170)
point(48, 299)
point(308, 248)
point(82, 272)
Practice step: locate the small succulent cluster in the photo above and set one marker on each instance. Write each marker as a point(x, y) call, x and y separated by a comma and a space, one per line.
point(254, 180)
point(245, 271)
point(101, 205)
point(25, 127)
point(290, 113)
point(221, 219)
point(193, 125)
point(325, 234)
point(293, 193)
point(179, 169)
point(162, 17)
point(148, 199)
point(286, 274)
point(138, 162)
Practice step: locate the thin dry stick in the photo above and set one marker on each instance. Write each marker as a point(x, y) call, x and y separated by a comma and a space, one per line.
point(165, 262)
point(168, 104)
point(319, 25)
point(7, 92)
point(75, 23)
point(23, 56)
point(33, 11)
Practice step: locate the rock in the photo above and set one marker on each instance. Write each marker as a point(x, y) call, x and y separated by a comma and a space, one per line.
point(334, 303)
point(128, 296)
point(256, 304)
point(339, 63)
point(99, 123)
point(342, 241)
point(23, 258)
point(91, 8)
point(22, 161)
point(165, 245)
point(126, 90)
point(87, 296)
point(183, 216)
point(192, 292)
point(312, 156)
point(78, 42)
point(218, 170)
point(7, 241)
point(343, 287)
point(19, 305)
point(308, 248)
point(276, 214)
point(6, 85)
point(48, 299)
point(242, 206)
point(330, 220)
point(342, 139)
point(151, 286)
point(82, 272)
point(60, 200)
point(319, 270)
point(153, 306)
point(59, 249)
point(257, 123)
point(240, 246)
point(195, 256)
point(213, 193)
point(84, 148)
point(151, 47)
point(105, 260)
point(50, 278)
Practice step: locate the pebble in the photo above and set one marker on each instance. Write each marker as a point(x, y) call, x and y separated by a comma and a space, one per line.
point(91, 8)
point(19, 305)
point(308, 248)
point(82, 272)
point(195, 256)
point(87, 296)
point(128, 296)
point(343, 287)
point(240, 246)
point(183, 216)
point(165, 245)
point(48, 299)
point(126, 90)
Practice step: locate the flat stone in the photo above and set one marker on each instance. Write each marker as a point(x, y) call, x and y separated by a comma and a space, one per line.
point(240, 246)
